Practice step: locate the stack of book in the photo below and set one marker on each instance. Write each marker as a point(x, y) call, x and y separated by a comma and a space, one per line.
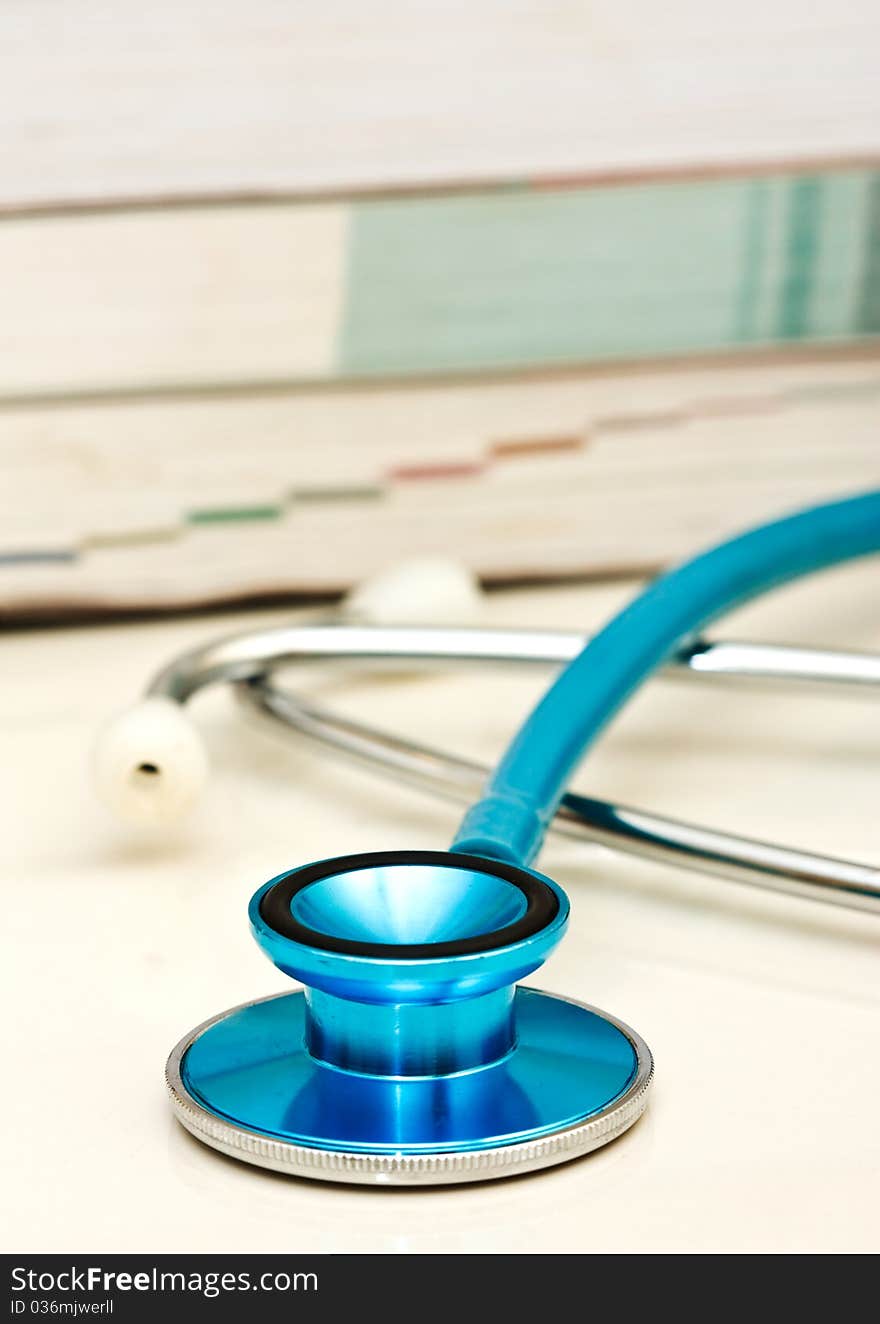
point(387, 315)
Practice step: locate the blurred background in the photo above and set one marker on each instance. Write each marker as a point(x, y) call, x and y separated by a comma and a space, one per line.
point(291, 291)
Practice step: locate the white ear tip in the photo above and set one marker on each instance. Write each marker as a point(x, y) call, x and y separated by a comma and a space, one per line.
point(149, 763)
point(424, 591)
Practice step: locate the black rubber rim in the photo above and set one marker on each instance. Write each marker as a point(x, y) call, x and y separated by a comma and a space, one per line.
point(542, 905)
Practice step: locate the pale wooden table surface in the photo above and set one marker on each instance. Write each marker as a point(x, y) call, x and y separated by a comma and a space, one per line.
point(763, 1012)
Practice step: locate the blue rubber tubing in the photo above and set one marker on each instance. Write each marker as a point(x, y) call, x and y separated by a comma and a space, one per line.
point(521, 797)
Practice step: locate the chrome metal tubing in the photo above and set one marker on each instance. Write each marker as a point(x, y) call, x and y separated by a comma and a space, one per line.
point(617, 827)
point(244, 656)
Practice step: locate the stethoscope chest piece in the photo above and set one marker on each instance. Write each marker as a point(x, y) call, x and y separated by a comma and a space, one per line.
point(411, 1056)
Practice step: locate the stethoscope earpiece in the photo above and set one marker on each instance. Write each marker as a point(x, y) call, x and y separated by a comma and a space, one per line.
point(411, 1056)
point(149, 763)
point(429, 590)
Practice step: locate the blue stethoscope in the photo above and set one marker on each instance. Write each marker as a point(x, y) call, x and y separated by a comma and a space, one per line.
point(412, 1054)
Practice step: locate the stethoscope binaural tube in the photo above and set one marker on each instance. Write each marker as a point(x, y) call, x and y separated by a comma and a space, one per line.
point(150, 762)
point(595, 822)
